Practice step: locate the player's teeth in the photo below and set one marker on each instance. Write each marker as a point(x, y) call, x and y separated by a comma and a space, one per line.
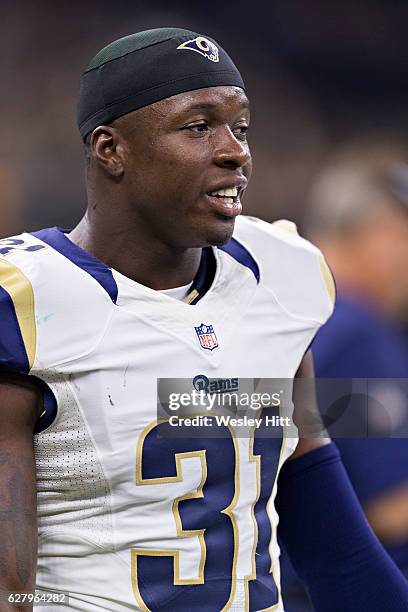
point(229, 192)
point(229, 200)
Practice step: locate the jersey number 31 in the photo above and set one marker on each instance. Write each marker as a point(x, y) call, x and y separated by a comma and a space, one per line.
point(207, 515)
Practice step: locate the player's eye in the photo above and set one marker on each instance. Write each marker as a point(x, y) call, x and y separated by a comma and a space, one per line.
point(198, 128)
point(241, 131)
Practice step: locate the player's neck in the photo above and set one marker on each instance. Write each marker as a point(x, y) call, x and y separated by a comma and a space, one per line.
point(154, 265)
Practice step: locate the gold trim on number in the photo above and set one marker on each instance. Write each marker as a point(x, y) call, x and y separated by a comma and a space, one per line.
point(257, 459)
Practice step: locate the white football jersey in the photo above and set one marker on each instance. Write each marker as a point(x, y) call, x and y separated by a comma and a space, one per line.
point(129, 518)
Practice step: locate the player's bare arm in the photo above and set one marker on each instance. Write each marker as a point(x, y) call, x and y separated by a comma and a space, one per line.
point(20, 407)
point(306, 413)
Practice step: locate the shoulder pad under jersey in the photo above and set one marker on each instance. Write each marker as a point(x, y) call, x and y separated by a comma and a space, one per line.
point(292, 268)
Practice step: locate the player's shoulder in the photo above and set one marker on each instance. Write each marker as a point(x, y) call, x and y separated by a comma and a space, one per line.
point(33, 255)
point(290, 266)
point(44, 301)
point(17, 249)
point(261, 234)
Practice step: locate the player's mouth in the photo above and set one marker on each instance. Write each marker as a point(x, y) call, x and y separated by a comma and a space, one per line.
point(226, 201)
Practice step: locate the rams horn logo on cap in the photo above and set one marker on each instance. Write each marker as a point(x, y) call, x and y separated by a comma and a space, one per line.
point(203, 46)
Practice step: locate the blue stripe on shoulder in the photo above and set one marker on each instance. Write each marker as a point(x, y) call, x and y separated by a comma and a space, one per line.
point(55, 237)
point(244, 257)
point(13, 355)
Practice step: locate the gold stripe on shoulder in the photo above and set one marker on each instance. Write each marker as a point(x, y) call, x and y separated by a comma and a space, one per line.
point(21, 292)
point(328, 279)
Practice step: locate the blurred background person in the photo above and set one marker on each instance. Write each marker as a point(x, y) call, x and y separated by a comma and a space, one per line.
point(357, 213)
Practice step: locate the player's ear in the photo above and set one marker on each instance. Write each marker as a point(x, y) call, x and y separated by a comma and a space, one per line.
point(107, 150)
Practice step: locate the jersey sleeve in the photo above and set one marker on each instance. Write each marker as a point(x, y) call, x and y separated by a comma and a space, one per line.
point(17, 319)
point(51, 310)
point(292, 269)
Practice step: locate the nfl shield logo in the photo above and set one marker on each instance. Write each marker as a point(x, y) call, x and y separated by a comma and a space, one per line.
point(206, 336)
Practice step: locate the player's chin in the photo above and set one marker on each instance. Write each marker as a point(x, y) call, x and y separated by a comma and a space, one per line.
point(219, 231)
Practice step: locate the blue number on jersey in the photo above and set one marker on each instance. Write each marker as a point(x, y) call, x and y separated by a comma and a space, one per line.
point(156, 583)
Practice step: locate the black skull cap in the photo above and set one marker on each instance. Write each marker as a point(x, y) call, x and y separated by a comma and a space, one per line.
point(148, 66)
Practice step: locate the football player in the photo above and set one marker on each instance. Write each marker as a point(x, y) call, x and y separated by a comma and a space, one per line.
point(162, 279)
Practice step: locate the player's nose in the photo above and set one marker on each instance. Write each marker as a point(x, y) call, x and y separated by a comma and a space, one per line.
point(231, 152)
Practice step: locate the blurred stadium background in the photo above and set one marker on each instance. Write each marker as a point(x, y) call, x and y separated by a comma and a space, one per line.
point(327, 82)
